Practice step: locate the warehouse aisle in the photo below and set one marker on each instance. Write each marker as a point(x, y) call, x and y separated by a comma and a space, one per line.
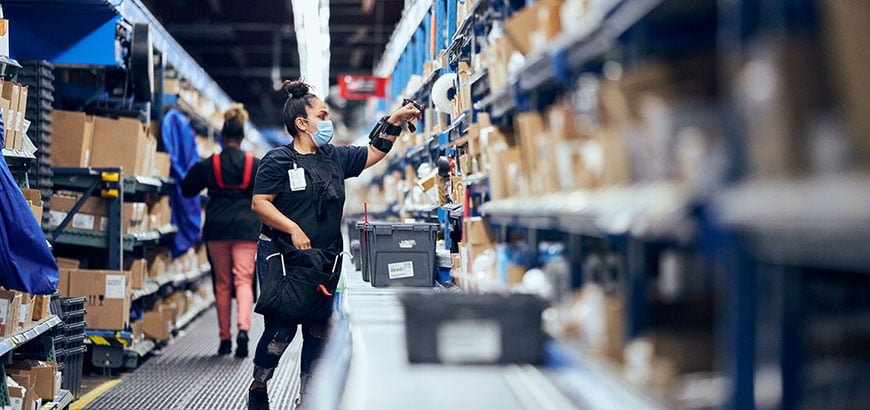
point(187, 375)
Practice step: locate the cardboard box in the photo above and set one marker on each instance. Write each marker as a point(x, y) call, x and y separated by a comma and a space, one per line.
point(64, 266)
point(11, 92)
point(72, 139)
point(22, 112)
point(93, 215)
point(17, 394)
point(161, 165)
point(170, 308)
point(42, 304)
point(119, 143)
point(138, 272)
point(8, 140)
point(171, 86)
point(24, 394)
point(160, 213)
point(41, 374)
point(138, 330)
point(25, 310)
point(530, 27)
point(157, 324)
point(10, 302)
point(108, 294)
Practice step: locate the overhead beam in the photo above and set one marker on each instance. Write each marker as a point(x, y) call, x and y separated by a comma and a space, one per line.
point(265, 72)
point(268, 27)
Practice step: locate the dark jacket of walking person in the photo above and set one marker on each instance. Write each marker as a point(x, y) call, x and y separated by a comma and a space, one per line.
point(231, 228)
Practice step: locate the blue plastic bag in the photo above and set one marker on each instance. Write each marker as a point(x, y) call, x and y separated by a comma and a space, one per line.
point(179, 140)
point(26, 262)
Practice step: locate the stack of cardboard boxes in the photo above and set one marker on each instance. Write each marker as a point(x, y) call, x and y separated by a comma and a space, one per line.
point(13, 103)
point(18, 310)
point(93, 215)
point(32, 383)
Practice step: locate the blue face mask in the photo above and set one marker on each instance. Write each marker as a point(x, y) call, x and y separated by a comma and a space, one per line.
point(324, 133)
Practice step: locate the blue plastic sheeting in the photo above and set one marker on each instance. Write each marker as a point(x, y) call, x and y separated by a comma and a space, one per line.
point(178, 138)
point(26, 263)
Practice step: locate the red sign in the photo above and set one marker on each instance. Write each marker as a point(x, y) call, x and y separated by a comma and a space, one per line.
point(361, 87)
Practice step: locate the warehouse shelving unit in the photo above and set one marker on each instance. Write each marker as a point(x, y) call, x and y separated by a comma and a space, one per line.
point(34, 332)
point(792, 238)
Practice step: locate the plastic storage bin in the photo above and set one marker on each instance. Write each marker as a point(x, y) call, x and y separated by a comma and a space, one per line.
point(354, 245)
point(399, 254)
point(72, 372)
point(473, 329)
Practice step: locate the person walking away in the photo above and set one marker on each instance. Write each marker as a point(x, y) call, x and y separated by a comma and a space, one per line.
point(299, 195)
point(231, 228)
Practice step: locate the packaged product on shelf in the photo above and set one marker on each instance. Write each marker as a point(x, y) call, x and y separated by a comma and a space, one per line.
point(171, 86)
point(532, 26)
point(161, 165)
point(137, 329)
point(158, 266)
point(20, 118)
point(618, 168)
point(120, 143)
point(64, 266)
point(42, 306)
point(41, 374)
point(10, 302)
point(157, 324)
point(93, 215)
point(108, 297)
point(34, 198)
point(539, 166)
point(72, 139)
point(844, 23)
point(21, 392)
point(11, 95)
point(170, 310)
point(160, 213)
point(25, 311)
point(138, 272)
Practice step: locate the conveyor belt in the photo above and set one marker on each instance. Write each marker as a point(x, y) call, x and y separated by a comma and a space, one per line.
point(187, 375)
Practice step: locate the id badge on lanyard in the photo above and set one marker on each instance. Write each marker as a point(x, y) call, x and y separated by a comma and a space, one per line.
point(297, 178)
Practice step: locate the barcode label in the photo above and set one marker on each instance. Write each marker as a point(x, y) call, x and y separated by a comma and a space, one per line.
point(469, 341)
point(401, 270)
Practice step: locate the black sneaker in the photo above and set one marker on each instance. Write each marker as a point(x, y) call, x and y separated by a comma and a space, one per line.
point(258, 399)
point(225, 348)
point(242, 344)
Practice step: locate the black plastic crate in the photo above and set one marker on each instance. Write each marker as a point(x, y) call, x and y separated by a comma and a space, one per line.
point(473, 329)
point(72, 374)
point(73, 316)
point(399, 254)
point(73, 329)
point(74, 340)
point(353, 236)
point(74, 303)
point(59, 342)
point(54, 304)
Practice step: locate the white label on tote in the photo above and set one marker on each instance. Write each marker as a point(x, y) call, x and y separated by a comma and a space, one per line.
point(115, 286)
point(464, 341)
point(401, 270)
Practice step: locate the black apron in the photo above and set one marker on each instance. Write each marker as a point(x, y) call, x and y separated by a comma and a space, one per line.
point(298, 286)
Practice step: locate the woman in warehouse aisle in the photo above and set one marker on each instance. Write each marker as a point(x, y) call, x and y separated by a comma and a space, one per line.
point(299, 196)
point(231, 229)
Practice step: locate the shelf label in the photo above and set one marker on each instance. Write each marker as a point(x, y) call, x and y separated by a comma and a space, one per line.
point(464, 341)
point(4, 311)
point(401, 270)
point(115, 286)
point(22, 314)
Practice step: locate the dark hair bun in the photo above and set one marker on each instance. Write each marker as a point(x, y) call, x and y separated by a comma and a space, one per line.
point(296, 89)
point(236, 113)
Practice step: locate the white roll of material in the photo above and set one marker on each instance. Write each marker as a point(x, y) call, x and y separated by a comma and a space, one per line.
point(441, 92)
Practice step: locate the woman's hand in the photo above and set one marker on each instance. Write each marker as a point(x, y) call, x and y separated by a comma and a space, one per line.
point(406, 113)
point(300, 239)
